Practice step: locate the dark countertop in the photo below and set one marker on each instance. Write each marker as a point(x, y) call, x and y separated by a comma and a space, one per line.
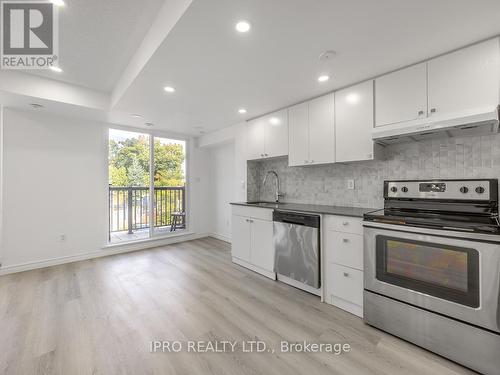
point(312, 208)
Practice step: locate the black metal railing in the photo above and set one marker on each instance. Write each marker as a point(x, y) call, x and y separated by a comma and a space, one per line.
point(129, 207)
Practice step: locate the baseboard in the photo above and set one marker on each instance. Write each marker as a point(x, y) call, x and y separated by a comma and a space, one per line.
point(220, 237)
point(106, 251)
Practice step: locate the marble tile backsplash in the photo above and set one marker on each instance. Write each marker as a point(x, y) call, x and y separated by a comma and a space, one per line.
point(470, 157)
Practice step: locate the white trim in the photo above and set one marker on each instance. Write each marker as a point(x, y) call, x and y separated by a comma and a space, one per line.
point(152, 196)
point(105, 203)
point(220, 237)
point(2, 152)
point(152, 133)
point(113, 245)
point(255, 268)
point(106, 251)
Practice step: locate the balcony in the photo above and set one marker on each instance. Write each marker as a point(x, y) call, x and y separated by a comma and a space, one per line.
point(129, 211)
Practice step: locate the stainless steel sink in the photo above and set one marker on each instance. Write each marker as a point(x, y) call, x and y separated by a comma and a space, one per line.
point(265, 204)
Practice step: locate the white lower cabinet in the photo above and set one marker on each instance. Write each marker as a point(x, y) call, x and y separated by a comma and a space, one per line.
point(262, 249)
point(241, 238)
point(252, 239)
point(343, 255)
point(345, 288)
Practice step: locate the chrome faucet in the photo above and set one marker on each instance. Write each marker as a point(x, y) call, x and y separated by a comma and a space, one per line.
point(277, 194)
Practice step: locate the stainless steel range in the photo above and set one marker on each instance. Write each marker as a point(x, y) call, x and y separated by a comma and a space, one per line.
point(432, 268)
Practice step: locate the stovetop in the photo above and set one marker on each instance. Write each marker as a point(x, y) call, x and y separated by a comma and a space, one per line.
point(460, 222)
point(461, 205)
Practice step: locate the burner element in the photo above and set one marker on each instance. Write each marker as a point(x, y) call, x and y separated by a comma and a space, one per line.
point(462, 205)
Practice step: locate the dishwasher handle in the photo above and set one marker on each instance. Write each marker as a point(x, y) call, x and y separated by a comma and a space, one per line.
point(296, 218)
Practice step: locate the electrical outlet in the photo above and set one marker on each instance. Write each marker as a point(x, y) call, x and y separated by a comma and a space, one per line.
point(350, 184)
point(62, 238)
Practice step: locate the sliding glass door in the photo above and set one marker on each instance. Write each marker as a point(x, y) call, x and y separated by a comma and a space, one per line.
point(147, 191)
point(169, 182)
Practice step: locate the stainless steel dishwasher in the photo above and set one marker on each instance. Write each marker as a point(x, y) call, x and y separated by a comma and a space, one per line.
point(296, 244)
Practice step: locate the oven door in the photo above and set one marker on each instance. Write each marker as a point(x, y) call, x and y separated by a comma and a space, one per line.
point(452, 273)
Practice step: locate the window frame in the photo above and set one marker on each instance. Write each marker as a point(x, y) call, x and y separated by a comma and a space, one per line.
point(152, 133)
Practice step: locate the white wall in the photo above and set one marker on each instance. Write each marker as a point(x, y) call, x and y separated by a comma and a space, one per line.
point(222, 189)
point(228, 181)
point(54, 183)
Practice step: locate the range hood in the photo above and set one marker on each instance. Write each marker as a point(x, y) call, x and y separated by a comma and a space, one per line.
point(461, 125)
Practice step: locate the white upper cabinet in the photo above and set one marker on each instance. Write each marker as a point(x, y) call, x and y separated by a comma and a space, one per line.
point(465, 82)
point(401, 96)
point(276, 134)
point(322, 130)
point(312, 132)
point(298, 133)
point(268, 136)
point(354, 123)
point(256, 139)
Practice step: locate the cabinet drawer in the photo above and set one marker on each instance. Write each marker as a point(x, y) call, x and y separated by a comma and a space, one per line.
point(345, 283)
point(345, 249)
point(253, 212)
point(344, 224)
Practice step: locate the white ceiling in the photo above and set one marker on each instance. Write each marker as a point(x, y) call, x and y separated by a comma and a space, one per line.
point(97, 38)
point(216, 70)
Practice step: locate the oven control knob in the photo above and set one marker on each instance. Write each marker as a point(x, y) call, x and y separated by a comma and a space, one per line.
point(394, 189)
point(480, 190)
point(404, 189)
point(464, 189)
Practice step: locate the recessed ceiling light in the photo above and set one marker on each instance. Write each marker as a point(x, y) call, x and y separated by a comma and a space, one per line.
point(274, 121)
point(323, 78)
point(56, 69)
point(169, 89)
point(136, 115)
point(36, 106)
point(243, 26)
point(242, 111)
point(149, 124)
point(59, 3)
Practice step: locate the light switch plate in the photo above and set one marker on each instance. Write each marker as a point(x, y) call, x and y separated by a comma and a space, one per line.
point(350, 184)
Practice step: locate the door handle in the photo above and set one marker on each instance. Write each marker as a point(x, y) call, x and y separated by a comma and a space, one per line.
point(420, 113)
point(346, 274)
point(345, 223)
point(345, 240)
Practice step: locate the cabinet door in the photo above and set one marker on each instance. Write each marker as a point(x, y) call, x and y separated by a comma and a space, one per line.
point(298, 134)
point(262, 249)
point(466, 81)
point(354, 123)
point(401, 96)
point(276, 134)
point(240, 238)
point(256, 139)
point(322, 130)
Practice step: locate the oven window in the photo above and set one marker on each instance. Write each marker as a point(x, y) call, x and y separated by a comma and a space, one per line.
point(443, 271)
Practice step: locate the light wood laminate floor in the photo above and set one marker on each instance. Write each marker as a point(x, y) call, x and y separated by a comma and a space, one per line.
point(99, 316)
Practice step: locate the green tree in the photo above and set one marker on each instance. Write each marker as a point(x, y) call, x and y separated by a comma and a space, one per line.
point(129, 163)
